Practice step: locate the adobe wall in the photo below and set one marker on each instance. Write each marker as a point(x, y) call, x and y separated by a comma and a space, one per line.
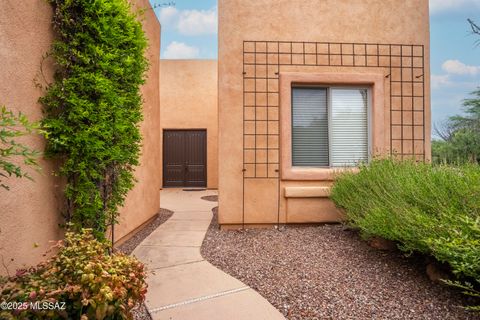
point(261, 42)
point(30, 211)
point(143, 201)
point(188, 99)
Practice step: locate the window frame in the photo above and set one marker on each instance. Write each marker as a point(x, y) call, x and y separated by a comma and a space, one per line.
point(329, 118)
point(378, 135)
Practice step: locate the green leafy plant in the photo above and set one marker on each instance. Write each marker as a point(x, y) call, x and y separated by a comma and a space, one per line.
point(467, 289)
point(434, 210)
point(91, 283)
point(12, 127)
point(93, 108)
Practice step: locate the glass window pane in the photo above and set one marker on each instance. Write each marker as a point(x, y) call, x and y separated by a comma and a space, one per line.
point(309, 127)
point(349, 126)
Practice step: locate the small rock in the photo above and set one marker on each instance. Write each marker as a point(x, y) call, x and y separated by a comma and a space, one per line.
point(382, 244)
point(435, 272)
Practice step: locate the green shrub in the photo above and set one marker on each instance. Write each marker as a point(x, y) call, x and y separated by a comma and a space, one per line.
point(92, 283)
point(434, 210)
point(93, 109)
point(12, 127)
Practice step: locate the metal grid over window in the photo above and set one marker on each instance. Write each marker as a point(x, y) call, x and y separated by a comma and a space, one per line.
point(262, 61)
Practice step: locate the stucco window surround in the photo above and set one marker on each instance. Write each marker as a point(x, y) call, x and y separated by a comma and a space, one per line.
point(377, 117)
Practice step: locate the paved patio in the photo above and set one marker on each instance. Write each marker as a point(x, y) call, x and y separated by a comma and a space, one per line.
point(182, 285)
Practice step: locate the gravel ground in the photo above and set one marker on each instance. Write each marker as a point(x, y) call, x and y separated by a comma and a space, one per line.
point(210, 198)
point(141, 312)
point(128, 246)
point(328, 272)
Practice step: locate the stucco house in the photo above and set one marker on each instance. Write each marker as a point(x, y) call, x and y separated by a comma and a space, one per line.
point(301, 90)
point(308, 88)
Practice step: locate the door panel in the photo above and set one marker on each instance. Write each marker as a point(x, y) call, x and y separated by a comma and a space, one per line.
point(184, 155)
point(173, 158)
point(195, 159)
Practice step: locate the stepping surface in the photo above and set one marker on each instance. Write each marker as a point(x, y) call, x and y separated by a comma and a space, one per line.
point(181, 284)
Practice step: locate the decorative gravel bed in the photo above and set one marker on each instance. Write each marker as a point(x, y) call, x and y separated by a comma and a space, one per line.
point(328, 272)
point(210, 198)
point(141, 312)
point(128, 246)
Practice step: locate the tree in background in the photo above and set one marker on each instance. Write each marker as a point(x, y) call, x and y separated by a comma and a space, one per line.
point(460, 135)
point(475, 28)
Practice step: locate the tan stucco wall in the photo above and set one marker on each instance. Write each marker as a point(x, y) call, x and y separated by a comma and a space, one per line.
point(143, 201)
point(30, 211)
point(368, 21)
point(188, 99)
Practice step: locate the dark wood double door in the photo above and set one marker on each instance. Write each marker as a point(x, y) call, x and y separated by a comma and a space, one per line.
point(184, 158)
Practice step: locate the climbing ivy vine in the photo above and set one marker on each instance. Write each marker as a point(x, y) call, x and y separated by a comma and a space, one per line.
point(93, 109)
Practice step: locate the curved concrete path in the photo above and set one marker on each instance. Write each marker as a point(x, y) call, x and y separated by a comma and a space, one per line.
point(181, 284)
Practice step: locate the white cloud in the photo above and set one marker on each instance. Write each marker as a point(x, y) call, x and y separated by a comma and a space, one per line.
point(437, 6)
point(438, 81)
point(180, 50)
point(190, 22)
point(196, 22)
point(168, 15)
point(460, 68)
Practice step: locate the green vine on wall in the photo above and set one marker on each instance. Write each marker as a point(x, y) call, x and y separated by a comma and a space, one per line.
point(12, 152)
point(93, 109)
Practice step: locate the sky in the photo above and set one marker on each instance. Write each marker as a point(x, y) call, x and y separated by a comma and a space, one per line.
point(189, 31)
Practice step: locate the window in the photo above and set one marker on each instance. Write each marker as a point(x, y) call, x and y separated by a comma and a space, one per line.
point(329, 126)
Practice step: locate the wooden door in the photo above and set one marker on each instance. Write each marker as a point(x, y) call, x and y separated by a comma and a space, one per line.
point(184, 158)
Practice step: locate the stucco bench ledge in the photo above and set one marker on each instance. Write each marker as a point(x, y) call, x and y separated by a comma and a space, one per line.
point(307, 192)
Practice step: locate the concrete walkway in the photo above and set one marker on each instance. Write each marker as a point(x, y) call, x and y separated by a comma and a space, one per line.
point(181, 284)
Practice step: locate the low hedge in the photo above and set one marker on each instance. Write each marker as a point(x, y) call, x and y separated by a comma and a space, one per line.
point(82, 282)
point(434, 210)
